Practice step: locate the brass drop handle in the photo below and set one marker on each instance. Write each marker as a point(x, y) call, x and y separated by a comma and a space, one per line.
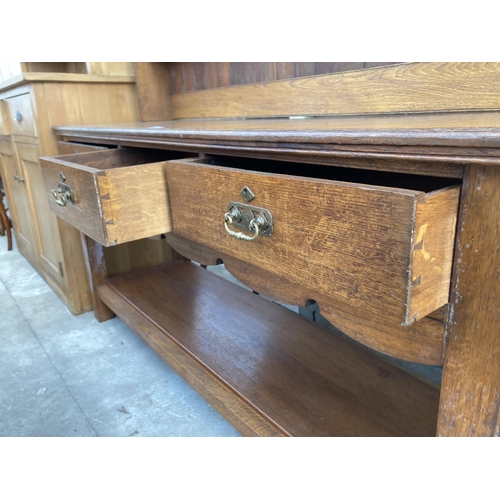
point(59, 197)
point(253, 225)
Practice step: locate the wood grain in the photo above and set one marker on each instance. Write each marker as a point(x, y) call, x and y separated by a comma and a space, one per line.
point(422, 342)
point(21, 104)
point(110, 68)
point(83, 99)
point(82, 103)
point(54, 248)
point(4, 119)
point(49, 255)
point(17, 198)
point(153, 91)
point(470, 394)
point(71, 148)
point(296, 376)
point(86, 213)
point(97, 275)
point(120, 195)
point(189, 77)
point(347, 237)
point(405, 88)
point(455, 131)
point(237, 411)
point(252, 72)
point(134, 202)
point(64, 78)
point(433, 245)
point(135, 255)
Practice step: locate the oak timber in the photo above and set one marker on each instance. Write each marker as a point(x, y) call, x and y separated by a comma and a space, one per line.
point(17, 198)
point(64, 77)
point(26, 125)
point(72, 148)
point(54, 249)
point(470, 394)
point(297, 377)
point(153, 91)
point(348, 237)
point(403, 88)
point(120, 195)
point(472, 129)
point(4, 119)
point(97, 275)
point(191, 76)
point(430, 144)
point(138, 254)
point(432, 255)
point(421, 342)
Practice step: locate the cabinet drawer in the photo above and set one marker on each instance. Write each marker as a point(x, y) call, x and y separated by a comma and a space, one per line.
point(377, 242)
point(21, 115)
point(119, 195)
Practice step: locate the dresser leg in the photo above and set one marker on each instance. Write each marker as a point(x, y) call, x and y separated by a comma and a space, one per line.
point(470, 393)
point(96, 269)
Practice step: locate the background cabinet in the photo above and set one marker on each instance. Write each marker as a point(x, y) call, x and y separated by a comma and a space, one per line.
point(15, 186)
point(34, 97)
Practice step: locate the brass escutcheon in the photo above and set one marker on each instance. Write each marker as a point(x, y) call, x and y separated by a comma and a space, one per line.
point(63, 194)
point(249, 218)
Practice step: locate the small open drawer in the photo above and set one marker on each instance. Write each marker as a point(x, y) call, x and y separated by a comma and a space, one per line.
point(373, 242)
point(113, 196)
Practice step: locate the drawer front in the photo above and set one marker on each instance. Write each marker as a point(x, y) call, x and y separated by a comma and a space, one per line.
point(20, 115)
point(118, 195)
point(375, 249)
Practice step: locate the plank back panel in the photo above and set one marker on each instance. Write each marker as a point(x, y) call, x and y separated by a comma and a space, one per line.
point(402, 88)
point(193, 76)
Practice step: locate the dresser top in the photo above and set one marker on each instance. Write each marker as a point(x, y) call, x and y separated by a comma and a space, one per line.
point(459, 130)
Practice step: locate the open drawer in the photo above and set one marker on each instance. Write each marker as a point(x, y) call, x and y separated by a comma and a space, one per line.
point(113, 196)
point(376, 243)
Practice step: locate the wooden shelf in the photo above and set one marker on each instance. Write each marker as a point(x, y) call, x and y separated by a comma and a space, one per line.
point(267, 370)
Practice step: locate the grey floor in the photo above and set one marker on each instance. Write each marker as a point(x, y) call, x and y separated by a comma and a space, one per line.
point(65, 375)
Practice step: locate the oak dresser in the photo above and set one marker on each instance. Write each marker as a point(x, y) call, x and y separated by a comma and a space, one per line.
point(389, 222)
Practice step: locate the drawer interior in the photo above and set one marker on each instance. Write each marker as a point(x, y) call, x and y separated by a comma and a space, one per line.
point(359, 176)
point(123, 157)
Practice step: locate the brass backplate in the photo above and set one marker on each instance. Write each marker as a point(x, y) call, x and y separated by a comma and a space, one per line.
point(66, 190)
point(243, 214)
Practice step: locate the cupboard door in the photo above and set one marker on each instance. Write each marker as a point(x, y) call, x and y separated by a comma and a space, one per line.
point(50, 254)
point(17, 197)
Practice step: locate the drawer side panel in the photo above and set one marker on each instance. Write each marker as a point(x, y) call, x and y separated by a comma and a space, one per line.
point(135, 202)
point(433, 243)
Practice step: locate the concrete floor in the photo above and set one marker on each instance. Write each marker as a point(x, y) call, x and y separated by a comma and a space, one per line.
point(65, 375)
